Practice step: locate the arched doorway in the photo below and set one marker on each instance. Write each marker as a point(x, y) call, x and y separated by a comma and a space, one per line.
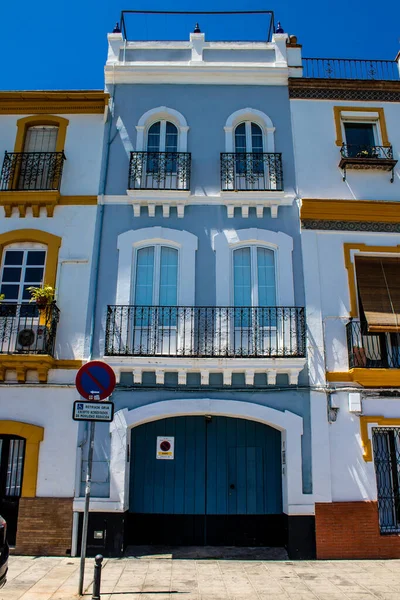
point(223, 485)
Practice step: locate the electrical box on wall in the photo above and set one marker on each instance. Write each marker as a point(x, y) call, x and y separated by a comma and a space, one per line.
point(355, 402)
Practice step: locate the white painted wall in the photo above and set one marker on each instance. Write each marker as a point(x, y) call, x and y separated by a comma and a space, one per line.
point(317, 156)
point(76, 226)
point(83, 151)
point(51, 408)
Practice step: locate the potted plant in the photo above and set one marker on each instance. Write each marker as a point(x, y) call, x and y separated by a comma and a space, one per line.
point(42, 295)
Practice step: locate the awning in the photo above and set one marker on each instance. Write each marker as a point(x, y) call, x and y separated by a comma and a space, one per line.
point(378, 281)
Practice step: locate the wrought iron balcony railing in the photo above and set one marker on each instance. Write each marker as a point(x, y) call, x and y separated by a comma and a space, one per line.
point(349, 68)
point(251, 171)
point(205, 331)
point(26, 329)
point(32, 171)
point(372, 350)
point(159, 171)
point(362, 157)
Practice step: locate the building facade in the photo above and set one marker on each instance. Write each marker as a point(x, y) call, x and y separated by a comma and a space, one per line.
point(49, 184)
point(345, 118)
point(200, 302)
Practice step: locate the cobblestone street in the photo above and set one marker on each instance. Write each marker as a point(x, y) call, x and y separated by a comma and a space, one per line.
point(165, 578)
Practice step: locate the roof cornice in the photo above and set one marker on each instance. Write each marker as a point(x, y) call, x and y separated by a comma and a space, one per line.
point(60, 102)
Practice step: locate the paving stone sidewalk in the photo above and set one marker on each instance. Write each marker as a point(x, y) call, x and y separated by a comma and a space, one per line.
point(145, 578)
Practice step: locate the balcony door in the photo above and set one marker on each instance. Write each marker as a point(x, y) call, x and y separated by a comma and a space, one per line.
point(254, 295)
point(19, 319)
point(12, 453)
point(249, 159)
point(37, 166)
point(162, 146)
point(155, 298)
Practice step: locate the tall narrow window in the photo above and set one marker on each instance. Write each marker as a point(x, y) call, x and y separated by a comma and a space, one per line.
point(38, 165)
point(41, 139)
point(386, 445)
point(21, 269)
point(249, 150)
point(162, 137)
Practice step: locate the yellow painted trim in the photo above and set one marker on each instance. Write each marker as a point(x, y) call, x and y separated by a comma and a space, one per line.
point(33, 435)
point(24, 199)
point(77, 201)
point(53, 243)
point(60, 102)
point(350, 210)
point(67, 364)
point(348, 247)
point(367, 377)
point(26, 122)
point(365, 440)
point(337, 113)
point(42, 363)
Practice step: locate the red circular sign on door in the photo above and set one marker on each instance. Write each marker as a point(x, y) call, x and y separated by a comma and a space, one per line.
point(165, 446)
point(95, 380)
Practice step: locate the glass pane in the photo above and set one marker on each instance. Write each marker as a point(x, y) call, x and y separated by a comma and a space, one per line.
point(242, 277)
point(14, 467)
point(171, 138)
point(266, 277)
point(10, 291)
point(36, 257)
point(144, 276)
point(34, 275)
point(256, 138)
point(26, 295)
point(14, 257)
point(169, 277)
point(153, 138)
point(359, 134)
point(41, 139)
point(240, 138)
point(11, 274)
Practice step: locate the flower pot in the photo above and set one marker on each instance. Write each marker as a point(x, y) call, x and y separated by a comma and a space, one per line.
point(41, 302)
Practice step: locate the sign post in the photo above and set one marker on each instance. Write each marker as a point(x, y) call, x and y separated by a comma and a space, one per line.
point(95, 381)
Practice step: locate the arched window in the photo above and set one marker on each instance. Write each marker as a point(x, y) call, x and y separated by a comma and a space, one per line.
point(162, 137)
point(156, 276)
point(248, 137)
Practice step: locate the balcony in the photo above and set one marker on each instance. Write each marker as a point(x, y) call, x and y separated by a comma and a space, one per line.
point(348, 68)
point(205, 332)
point(37, 171)
point(371, 350)
point(362, 157)
point(159, 171)
point(26, 329)
point(251, 171)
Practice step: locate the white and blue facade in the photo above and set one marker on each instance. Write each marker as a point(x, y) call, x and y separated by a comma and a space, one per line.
point(200, 302)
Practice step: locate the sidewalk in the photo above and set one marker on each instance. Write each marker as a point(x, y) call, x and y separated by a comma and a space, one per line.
point(147, 578)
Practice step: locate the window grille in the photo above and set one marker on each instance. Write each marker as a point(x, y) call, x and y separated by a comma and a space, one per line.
point(386, 446)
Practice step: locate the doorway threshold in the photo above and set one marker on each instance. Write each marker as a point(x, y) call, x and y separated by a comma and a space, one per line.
point(207, 552)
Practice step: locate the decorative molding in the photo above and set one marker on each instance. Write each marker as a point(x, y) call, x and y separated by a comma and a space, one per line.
point(167, 199)
point(316, 209)
point(41, 363)
point(257, 200)
point(365, 422)
point(33, 435)
point(377, 227)
point(53, 243)
point(77, 200)
point(367, 377)
point(380, 119)
point(348, 248)
point(21, 200)
point(157, 114)
point(63, 102)
point(344, 89)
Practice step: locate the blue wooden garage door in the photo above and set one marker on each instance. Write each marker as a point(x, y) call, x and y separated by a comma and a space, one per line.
point(222, 466)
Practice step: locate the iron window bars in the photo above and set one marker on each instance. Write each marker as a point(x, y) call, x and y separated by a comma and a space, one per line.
point(159, 171)
point(251, 171)
point(205, 331)
point(371, 350)
point(385, 441)
point(31, 171)
point(26, 329)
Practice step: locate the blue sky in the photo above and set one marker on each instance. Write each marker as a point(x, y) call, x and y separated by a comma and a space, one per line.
point(62, 45)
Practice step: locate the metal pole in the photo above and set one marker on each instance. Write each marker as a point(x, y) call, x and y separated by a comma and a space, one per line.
point(86, 509)
point(97, 577)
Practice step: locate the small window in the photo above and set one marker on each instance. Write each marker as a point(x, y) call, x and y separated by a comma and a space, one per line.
point(41, 139)
point(21, 269)
point(360, 139)
point(386, 445)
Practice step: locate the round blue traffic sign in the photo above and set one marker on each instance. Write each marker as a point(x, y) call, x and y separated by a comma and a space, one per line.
point(95, 380)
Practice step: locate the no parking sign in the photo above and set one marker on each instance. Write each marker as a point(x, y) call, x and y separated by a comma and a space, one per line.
point(165, 448)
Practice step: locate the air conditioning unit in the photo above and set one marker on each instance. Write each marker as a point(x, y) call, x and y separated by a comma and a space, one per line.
point(31, 338)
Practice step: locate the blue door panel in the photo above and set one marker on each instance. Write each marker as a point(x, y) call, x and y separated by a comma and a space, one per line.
point(222, 466)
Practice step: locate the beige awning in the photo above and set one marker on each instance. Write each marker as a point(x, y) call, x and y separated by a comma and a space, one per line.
point(378, 281)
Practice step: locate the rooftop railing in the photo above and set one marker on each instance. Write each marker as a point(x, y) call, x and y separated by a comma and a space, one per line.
point(351, 68)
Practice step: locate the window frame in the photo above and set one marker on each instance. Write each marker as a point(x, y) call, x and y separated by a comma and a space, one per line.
point(253, 272)
point(163, 135)
point(37, 120)
point(249, 136)
point(361, 114)
point(156, 271)
point(26, 248)
point(255, 116)
point(158, 114)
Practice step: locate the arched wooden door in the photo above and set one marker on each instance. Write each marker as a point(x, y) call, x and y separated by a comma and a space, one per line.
point(223, 486)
